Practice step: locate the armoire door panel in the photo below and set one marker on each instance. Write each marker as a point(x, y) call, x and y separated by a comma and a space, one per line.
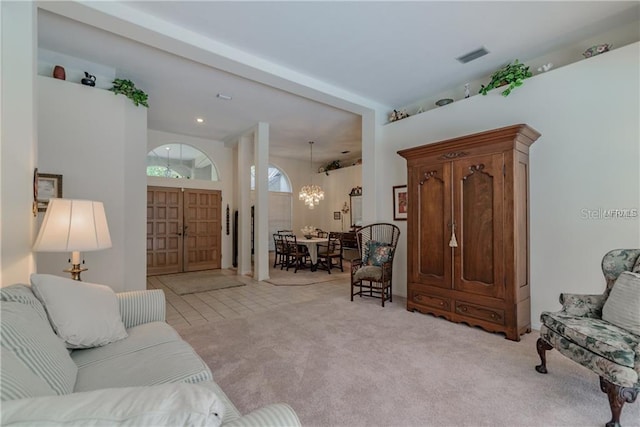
point(433, 211)
point(477, 226)
point(478, 214)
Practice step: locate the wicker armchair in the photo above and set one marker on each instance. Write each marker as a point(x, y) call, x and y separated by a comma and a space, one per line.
point(372, 273)
point(580, 333)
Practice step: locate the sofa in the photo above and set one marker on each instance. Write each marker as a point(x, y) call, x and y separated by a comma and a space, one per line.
point(77, 353)
point(602, 332)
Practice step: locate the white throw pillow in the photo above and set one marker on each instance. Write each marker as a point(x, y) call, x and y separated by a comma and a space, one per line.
point(178, 404)
point(622, 308)
point(83, 314)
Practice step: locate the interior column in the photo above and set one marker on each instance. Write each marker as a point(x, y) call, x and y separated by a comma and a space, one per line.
point(245, 159)
point(261, 219)
point(370, 197)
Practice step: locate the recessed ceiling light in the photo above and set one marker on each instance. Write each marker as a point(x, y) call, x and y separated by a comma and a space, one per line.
point(223, 96)
point(345, 152)
point(199, 120)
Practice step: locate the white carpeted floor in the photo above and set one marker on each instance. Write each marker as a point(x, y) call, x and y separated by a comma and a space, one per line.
point(342, 363)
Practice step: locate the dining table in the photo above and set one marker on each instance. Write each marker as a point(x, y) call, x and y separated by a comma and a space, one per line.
point(312, 247)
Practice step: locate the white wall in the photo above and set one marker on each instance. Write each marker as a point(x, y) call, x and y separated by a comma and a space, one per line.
point(588, 157)
point(337, 186)
point(98, 142)
point(298, 173)
point(18, 137)
point(223, 159)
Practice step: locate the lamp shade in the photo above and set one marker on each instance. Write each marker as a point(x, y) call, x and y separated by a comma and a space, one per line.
point(73, 225)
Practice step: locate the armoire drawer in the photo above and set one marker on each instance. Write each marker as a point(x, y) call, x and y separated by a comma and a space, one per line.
point(492, 315)
point(431, 301)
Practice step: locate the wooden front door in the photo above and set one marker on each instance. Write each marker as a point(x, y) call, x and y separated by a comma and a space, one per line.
point(164, 230)
point(183, 230)
point(203, 227)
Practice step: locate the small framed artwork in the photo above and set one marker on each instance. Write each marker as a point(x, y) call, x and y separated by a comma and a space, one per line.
point(49, 187)
point(400, 200)
point(336, 215)
point(35, 192)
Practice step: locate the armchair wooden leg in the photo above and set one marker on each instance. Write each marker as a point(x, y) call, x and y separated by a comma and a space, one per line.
point(618, 396)
point(542, 346)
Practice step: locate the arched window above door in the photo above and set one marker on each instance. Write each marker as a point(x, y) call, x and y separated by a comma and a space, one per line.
point(278, 180)
point(180, 161)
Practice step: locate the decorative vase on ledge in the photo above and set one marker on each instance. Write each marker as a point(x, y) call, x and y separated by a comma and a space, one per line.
point(58, 72)
point(89, 80)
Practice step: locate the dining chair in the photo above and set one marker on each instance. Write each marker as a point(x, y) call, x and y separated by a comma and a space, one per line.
point(297, 255)
point(280, 257)
point(330, 251)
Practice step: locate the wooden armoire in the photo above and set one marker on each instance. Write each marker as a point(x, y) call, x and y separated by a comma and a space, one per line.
point(468, 229)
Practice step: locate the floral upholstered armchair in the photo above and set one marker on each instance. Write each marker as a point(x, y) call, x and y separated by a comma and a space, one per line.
point(602, 332)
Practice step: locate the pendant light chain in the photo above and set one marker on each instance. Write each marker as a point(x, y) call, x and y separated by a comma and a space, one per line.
point(311, 194)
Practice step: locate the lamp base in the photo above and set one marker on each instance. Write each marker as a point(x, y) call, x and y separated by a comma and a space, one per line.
point(75, 271)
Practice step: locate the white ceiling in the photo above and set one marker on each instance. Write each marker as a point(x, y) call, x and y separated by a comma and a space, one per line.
point(375, 55)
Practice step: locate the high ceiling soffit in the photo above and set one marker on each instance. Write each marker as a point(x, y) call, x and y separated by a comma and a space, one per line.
point(309, 69)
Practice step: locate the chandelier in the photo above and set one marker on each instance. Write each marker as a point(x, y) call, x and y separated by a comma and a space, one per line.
point(167, 171)
point(311, 194)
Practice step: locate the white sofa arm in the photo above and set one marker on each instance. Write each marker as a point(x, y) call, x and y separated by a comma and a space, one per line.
point(138, 307)
point(277, 415)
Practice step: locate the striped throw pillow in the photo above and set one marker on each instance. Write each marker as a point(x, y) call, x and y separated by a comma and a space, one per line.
point(18, 381)
point(24, 295)
point(34, 343)
point(622, 308)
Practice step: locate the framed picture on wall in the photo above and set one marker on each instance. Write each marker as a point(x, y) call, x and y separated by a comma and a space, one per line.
point(336, 215)
point(400, 202)
point(49, 187)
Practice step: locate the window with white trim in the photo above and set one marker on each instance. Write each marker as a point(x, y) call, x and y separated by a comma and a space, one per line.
point(280, 200)
point(180, 161)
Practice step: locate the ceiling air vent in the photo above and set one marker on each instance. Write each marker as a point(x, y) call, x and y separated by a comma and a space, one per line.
point(473, 55)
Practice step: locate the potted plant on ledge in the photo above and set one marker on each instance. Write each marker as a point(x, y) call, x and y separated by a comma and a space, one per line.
point(129, 89)
point(511, 75)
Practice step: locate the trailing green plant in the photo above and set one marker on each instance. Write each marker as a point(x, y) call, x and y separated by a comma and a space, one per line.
point(511, 75)
point(128, 89)
point(333, 165)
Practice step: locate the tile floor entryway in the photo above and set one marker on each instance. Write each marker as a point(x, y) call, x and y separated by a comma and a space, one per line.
point(230, 303)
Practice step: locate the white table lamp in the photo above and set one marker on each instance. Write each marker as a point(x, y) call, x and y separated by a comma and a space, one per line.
point(73, 226)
